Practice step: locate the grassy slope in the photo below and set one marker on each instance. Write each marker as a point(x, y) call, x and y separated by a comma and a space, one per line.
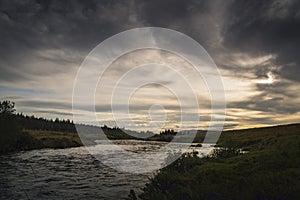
point(52, 139)
point(269, 171)
point(33, 139)
point(257, 138)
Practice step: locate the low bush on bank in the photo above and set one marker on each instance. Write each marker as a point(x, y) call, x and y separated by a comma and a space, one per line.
point(270, 170)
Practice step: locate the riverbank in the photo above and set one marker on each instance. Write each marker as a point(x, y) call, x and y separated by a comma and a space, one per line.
point(270, 169)
point(39, 139)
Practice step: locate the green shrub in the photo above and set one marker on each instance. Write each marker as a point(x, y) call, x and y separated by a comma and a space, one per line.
point(225, 152)
point(269, 171)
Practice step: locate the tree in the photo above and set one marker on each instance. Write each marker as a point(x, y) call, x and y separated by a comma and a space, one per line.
point(7, 107)
point(9, 129)
point(168, 132)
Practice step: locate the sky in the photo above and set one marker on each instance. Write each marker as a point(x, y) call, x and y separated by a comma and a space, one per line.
point(255, 45)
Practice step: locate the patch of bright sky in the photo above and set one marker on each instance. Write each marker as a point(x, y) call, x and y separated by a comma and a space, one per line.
point(57, 87)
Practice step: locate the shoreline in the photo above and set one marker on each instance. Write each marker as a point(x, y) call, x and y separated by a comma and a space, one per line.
point(40, 139)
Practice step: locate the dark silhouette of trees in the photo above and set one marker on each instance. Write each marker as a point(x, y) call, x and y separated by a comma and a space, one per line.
point(12, 136)
point(13, 128)
point(9, 127)
point(7, 108)
point(168, 132)
point(39, 123)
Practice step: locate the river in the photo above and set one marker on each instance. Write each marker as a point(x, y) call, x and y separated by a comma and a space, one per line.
point(71, 173)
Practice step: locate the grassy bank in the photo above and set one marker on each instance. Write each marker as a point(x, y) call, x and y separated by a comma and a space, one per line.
point(52, 139)
point(38, 139)
point(270, 170)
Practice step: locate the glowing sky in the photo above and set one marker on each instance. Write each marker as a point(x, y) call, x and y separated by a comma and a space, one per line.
point(255, 45)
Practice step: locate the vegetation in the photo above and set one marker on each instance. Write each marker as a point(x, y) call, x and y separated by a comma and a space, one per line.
point(9, 129)
point(22, 132)
point(270, 170)
point(15, 136)
point(34, 123)
point(52, 139)
point(168, 132)
point(7, 108)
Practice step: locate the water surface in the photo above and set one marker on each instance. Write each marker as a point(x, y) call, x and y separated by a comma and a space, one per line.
point(71, 173)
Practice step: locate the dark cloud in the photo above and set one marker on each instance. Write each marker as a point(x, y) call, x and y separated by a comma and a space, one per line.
point(56, 24)
point(31, 27)
point(274, 98)
point(53, 112)
point(273, 105)
point(44, 104)
point(266, 27)
point(227, 125)
point(165, 13)
point(45, 38)
point(256, 27)
point(200, 20)
point(269, 120)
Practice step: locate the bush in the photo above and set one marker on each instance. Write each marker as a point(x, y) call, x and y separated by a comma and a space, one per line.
point(9, 132)
point(225, 153)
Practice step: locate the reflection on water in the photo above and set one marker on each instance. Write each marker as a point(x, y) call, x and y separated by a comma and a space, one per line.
point(138, 156)
point(68, 174)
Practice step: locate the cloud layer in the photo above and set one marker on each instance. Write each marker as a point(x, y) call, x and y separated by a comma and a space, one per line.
point(44, 42)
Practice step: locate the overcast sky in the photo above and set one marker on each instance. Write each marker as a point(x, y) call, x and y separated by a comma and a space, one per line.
point(255, 45)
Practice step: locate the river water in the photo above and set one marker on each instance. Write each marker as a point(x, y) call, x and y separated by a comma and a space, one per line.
point(71, 173)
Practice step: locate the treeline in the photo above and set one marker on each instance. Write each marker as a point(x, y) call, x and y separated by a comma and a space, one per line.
point(61, 125)
point(168, 132)
point(35, 123)
point(18, 131)
point(11, 136)
point(26, 122)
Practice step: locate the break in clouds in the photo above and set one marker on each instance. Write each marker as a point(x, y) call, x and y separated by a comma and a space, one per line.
point(255, 45)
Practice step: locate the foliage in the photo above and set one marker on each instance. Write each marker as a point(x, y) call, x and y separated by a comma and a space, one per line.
point(162, 138)
point(67, 126)
point(224, 152)
point(7, 108)
point(168, 132)
point(9, 129)
point(52, 139)
point(35, 123)
point(269, 171)
point(14, 138)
